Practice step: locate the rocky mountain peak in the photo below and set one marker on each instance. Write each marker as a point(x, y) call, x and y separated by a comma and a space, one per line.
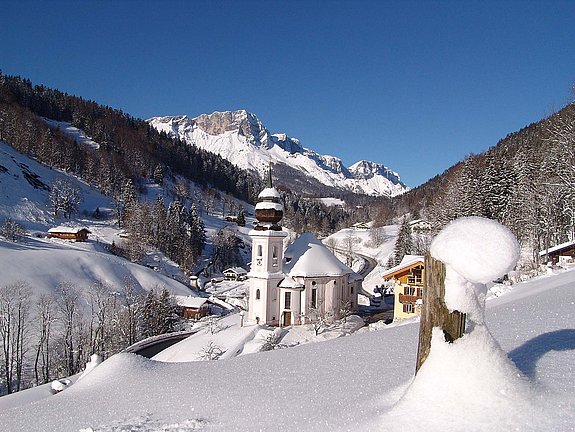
point(367, 169)
point(246, 123)
point(240, 137)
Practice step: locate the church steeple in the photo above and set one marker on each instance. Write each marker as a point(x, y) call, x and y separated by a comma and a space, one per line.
point(269, 209)
point(270, 185)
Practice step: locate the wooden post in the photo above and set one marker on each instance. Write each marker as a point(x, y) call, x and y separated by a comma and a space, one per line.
point(434, 313)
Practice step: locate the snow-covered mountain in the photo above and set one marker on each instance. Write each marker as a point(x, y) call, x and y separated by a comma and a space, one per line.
point(241, 138)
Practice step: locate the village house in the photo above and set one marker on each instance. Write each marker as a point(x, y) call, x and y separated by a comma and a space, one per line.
point(235, 273)
point(308, 284)
point(78, 234)
point(407, 278)
point(561, 254)
point(193, 307)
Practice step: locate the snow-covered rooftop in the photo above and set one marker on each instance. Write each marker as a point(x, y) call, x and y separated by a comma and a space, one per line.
point(408, 260)
point(269, 192)
point(557, 248)
point(190, 301)
point(67, 229)
point(308, 257)
point(266, 205)
point(236, 270)
point(289, 282)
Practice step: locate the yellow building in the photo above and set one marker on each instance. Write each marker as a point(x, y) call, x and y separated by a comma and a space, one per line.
point(408, 288)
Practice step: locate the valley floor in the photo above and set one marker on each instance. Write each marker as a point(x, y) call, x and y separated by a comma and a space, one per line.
point(350, 383)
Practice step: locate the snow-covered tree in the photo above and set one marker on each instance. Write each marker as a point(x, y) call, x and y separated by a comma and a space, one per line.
point(64, 197)
point(213, 325)
point(12, 230)
point(403, 244)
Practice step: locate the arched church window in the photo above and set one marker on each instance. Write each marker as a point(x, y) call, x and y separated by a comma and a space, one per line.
point(257, 294)
point(275, 256)
point(260, 251)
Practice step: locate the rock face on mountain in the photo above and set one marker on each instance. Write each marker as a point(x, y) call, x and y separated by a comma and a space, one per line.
point(241, 138)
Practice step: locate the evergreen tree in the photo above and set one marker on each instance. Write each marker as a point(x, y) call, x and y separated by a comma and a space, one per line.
point(403, 245)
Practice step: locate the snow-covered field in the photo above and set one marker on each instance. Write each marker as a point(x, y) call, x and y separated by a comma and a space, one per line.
point(358, 382)
point(350, 383)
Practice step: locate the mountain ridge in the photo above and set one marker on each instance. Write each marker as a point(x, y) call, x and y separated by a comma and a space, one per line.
point(241, 138)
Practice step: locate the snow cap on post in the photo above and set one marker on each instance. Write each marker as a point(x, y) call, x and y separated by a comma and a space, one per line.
point(479, 249)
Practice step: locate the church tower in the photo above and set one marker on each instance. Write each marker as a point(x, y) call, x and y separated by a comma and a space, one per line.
point(266, 271)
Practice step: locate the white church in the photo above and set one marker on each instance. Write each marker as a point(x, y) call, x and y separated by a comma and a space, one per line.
point(296, 286)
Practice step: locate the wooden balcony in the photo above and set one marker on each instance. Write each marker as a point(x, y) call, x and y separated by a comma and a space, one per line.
point(413, 280)
point(408, 298)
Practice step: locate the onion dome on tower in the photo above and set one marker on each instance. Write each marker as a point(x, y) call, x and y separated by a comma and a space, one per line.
point(269, 209)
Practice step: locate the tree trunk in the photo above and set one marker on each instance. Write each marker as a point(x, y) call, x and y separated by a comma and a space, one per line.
point(434, 312)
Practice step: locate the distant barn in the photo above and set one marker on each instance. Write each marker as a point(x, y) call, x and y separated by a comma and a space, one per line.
point(70, 233)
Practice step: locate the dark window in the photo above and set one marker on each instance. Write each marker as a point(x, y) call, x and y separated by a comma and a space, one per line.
point(314, 298)
point(257, 294)
point(408, 308)
point(287, 303)
point(352, 289)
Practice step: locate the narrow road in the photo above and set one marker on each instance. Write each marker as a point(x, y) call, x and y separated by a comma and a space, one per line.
point(150, 347)
point(368, 267)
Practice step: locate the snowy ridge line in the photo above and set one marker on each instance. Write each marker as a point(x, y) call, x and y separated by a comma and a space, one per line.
point(241, 138)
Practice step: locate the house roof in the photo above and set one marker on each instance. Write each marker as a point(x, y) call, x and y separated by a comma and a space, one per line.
point(557, 248)
point(406, 262)
point(308, 257)
point(236, 270)
point(67, 229)
point(191, 301)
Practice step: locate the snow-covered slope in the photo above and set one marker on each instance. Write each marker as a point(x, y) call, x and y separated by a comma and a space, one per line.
point(241, 138)
point(24, 188)
point(351, 383)
point(42, 262)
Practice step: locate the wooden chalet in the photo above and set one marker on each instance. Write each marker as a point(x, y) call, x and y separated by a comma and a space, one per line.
point(193, 307)
point(408, 289)
point(78, 234)
point(563, 253)
point(235, 273)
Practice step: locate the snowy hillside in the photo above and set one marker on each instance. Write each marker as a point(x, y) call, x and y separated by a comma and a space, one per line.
point(351, 383)
point(43, 262)
point(241, 138)
point(24, 186)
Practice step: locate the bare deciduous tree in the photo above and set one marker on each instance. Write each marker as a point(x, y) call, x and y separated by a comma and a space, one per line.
point(46, 316)
point(14, 311)
point(211, 351)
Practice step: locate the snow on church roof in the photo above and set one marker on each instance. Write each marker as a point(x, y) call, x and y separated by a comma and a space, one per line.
point(289, 282)
point(270, 192)
point(265, 205)
point(307, 256)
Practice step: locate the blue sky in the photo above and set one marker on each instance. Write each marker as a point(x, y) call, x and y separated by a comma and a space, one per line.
point(415, 85)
